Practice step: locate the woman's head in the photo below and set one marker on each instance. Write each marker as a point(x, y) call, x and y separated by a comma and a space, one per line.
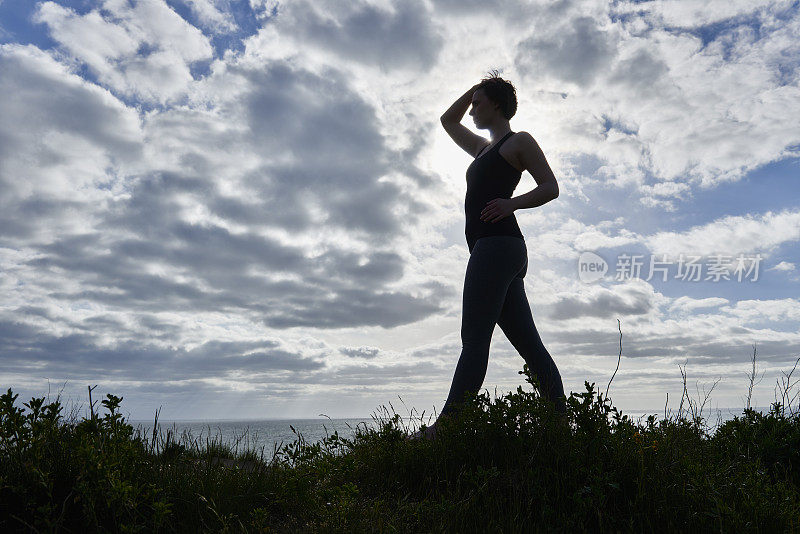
point(499, 92)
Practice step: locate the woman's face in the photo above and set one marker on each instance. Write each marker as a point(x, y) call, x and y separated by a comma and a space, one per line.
point(481, 109)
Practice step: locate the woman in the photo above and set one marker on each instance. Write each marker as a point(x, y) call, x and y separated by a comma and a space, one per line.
point(493, 287)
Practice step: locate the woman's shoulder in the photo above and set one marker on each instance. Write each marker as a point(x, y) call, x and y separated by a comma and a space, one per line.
point(521, 135)
point(521, 140)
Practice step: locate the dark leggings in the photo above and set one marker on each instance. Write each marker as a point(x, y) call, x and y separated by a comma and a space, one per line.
point(494, 294)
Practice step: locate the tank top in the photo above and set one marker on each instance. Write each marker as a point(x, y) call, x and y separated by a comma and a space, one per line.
point(489, 176)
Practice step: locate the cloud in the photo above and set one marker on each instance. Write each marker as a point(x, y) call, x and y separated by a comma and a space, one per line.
point(401, 37)
point(731, 235)
point(73, 133)
point(292, 230)
point(707, 340)
point(573, 52)
point(694, 13)
point(211, 16)
point(786, 309)
point(639, 70)
point(83, 355)
point(142, 50)
point(783, 266)
point(690, 100)
point(287, 227)
point(633, 299)
point(689, 304)
point(360, 352)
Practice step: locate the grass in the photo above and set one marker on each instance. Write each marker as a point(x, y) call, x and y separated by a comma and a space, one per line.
point(505, 463)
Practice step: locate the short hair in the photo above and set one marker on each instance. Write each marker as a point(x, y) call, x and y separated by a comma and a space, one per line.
point(501, 92)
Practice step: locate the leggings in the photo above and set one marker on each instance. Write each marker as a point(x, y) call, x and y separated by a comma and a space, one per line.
point(494, 294)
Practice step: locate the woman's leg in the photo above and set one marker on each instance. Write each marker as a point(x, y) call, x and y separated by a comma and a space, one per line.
point(493, 264)
point(516, 321)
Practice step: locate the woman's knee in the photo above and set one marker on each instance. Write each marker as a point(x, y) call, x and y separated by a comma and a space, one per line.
point(475, 345)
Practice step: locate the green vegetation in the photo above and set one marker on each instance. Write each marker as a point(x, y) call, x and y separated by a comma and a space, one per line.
point(507, 464)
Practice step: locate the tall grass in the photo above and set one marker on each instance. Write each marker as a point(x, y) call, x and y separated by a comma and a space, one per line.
point(505, 463)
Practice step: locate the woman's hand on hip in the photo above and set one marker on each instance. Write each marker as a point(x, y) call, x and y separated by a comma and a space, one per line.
point(497, 210)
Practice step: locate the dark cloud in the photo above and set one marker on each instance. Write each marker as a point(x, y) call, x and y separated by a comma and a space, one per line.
point(575, 52)
point(336, 288)
point(39, 94)
point(25, 348)
point(179, 378)
point(641, 71)
point(436, 351)
point(404, 37)
point(724, 348)
point(602, 305)
point(41, 102)
point(360, 352)
point(465, 7)
point(369, 374)
point(340, 155)
point(516, 14)
point(388, 309)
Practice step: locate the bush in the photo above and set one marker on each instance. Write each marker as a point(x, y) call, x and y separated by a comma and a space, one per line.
point(508, 463)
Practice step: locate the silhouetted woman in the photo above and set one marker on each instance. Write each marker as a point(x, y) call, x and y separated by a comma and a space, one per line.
point(493, 287)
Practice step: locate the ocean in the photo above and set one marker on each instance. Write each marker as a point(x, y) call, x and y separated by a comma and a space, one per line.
point(258, 435)
point(267, 435)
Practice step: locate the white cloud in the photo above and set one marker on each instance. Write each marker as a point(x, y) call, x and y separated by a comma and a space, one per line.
point(211, 16)
point(142, 50)
point(61, 139)
point(783, 266)
point(787, 309)
point(689, 304)
point(731, 235)
point(688, 113)
point(694, 13)
point(263, 8)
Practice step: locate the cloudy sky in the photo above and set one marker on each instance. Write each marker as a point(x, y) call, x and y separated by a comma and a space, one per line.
point(249, 208)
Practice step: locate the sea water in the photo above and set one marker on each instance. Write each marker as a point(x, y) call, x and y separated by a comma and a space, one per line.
point(271, 435)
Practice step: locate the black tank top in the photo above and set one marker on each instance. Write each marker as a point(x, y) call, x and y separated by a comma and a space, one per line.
point(490, 176)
